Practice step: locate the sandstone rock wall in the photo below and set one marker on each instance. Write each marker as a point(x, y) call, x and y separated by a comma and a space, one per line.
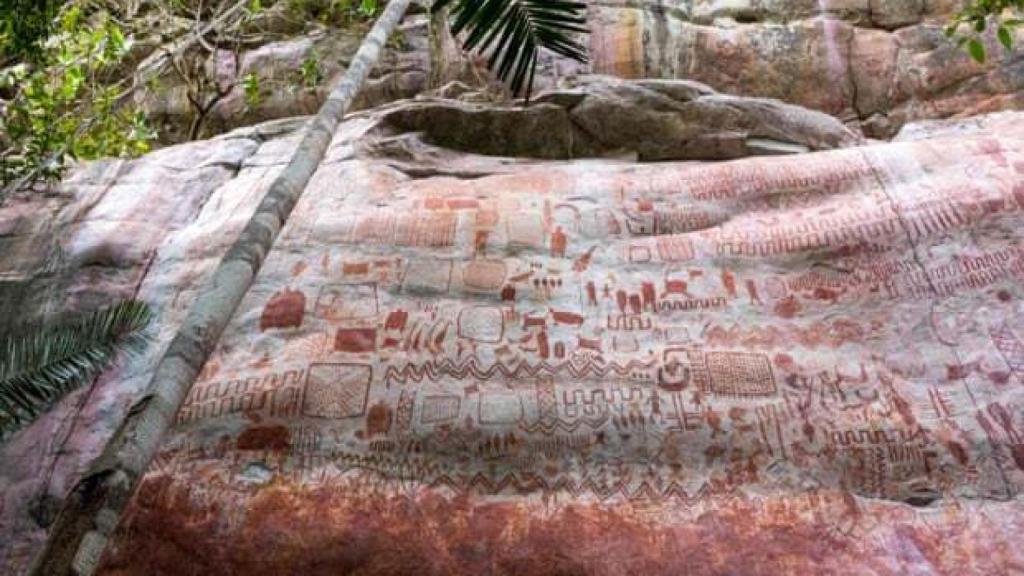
point(775, 365)
point(876, 64)
point(454, 363)
point(873, 64)
point(152, 228)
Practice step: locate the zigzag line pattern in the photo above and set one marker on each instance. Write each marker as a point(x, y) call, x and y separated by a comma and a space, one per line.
point(528, 483)
point(389, 469)
point(471, 368)
point(551, 426)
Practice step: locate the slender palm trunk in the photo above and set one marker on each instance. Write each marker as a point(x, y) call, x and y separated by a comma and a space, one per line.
point(93, 507)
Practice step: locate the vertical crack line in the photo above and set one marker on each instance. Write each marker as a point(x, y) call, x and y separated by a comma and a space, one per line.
point(851, 75)
point(74, 416)
point(71, 420)
point(894, 206)
point(897, 211)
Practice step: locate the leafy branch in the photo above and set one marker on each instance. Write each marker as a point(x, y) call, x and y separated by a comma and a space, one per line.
point(977, 16)
point(65, 103)
point(514, 31)
point(38, 365)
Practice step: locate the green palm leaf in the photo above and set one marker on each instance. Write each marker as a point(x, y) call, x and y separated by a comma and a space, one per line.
point(514, 30)
point(39, 365)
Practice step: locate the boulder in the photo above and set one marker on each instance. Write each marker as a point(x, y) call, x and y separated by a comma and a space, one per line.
point(602, 116)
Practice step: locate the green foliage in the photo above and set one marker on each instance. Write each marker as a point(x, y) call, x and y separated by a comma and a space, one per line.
point(368, 8)
point(39, 365)
point(340, 12)
point(513, 31)
point(311, 71)
point(397, 41)
point(66, 104)
point(24, 24)
point(251, 87)
point(978, 16)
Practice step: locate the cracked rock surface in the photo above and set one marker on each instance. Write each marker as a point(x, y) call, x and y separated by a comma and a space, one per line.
point(605, 116)
point(875, 64)
point(454, 363)
point(152, 228)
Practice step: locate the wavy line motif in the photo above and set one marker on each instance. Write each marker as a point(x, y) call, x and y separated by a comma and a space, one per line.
point(434, 370)
point(527, 483)
point(389, 469)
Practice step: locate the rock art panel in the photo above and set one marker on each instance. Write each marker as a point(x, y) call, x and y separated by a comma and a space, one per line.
point(771, 365)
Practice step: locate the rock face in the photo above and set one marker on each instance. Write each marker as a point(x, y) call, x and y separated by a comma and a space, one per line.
point(772, 365)
point(283, 92)
point(874, 64)
point(461, 364)
point(153, 228)
point(650, 119)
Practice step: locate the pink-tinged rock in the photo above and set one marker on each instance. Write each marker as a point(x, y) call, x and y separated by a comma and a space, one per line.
point(806, 63)
point(802, 364)
point(151, 228)
point(455, 364)
point(875, 53)
point(875, 64)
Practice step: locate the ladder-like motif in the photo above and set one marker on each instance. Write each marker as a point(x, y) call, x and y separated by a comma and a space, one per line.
point(1010, 346)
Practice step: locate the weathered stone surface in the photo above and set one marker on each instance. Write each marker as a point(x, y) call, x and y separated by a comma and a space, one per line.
point(283, 92)
point(772, 365)
point(602, 116)
point(665, 120)
point(152, 228)
point(874, 63)
point(954, 127)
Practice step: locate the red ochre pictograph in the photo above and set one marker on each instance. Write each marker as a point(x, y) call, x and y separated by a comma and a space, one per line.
point(641, 377)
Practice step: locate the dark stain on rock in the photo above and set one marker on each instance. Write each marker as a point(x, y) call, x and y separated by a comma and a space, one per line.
point(275, 438)
point(323, 530)
point(378, 419)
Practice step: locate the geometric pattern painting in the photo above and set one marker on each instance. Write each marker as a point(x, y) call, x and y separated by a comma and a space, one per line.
point(1011, 347)
point(337, 390)
point(779, 365)
point(739, 374)
point(437, 409)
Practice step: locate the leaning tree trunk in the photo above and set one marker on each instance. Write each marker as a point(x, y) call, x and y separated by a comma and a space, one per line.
point(93, 507)
point(438, 37)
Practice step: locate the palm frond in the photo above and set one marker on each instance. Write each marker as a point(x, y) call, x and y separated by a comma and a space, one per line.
point(514, 30)
point(39, 365)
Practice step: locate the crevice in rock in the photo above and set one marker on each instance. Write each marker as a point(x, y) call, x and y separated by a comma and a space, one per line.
point(603, 116)
point(852, 77)
point(423, 172)
point(923, 269)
